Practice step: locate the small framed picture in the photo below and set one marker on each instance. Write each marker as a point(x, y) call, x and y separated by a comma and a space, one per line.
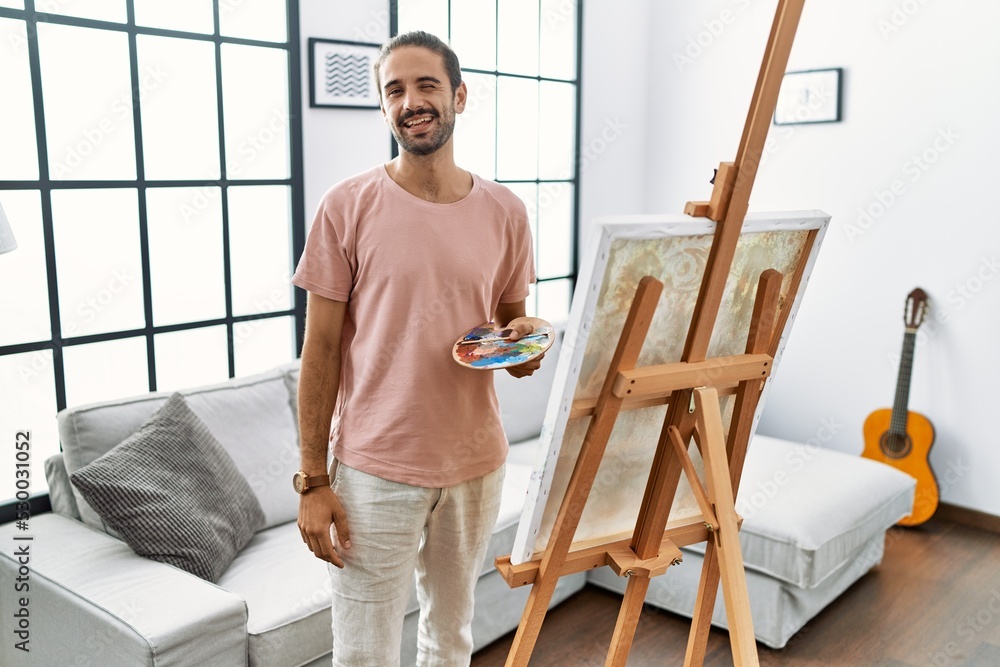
point(811, 96)
point(340, 74)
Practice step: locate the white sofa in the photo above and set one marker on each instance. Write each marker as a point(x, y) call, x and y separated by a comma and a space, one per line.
point(819, 525)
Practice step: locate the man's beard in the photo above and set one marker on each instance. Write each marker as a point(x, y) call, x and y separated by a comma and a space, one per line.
point(426, 143)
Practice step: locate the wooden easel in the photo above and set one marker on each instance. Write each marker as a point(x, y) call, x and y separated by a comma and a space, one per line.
point(693, 386)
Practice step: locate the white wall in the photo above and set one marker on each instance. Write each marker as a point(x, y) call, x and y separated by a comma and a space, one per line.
point(614, 124)
point(338, 143)
point(923, 83)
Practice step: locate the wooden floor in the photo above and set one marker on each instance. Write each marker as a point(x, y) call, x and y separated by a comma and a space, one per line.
point(934, 600)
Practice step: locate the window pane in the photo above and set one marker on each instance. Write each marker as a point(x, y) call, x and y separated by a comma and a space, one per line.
point(260, 248)
point(261, 345)
point(517, 129)
point(98, 265)
point(257, 19)
point(88, 103)
point(475, 142)
point(185, 254)
point(558, 39)
point(528, 193)
point(27, 395)
point(557, 129)
point(101, 10)
point(17, 113)
point(517, 37)
point(191, 358)
point(553, 300)
point(188, 15)
point(105, 371)
point(24, 297)
point(474, 33)
point(256, 117)
point(180, 125)
point(429, 15)
point(15, 4)
point(555, 230)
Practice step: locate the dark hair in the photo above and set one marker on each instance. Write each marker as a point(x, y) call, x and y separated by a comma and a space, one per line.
point(427, 41)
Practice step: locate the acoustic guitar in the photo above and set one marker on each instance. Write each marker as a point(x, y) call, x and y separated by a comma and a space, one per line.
point(902, 438)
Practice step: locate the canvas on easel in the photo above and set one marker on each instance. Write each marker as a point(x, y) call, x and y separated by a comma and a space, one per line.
point(673, 249)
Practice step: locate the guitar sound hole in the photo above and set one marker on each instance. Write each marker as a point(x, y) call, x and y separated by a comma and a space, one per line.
point(895, 445)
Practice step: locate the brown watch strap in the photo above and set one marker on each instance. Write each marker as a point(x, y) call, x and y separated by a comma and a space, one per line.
point(312, 481)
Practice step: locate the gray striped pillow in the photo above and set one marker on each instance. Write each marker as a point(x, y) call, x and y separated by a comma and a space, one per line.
point(174, 494)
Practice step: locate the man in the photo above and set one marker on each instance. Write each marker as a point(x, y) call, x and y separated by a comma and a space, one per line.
point(401, 260)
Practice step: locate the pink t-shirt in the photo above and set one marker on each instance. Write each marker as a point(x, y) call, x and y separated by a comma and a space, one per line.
point(416, 275)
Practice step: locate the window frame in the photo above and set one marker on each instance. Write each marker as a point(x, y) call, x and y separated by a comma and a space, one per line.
point(45, 185)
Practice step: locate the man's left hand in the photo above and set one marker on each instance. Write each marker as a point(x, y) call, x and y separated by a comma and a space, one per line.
point(520, 327)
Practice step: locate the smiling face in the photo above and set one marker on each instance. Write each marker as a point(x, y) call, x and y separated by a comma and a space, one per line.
point(418, 103)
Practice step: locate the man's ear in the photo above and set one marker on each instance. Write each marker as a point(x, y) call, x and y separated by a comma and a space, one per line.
point(461, 95)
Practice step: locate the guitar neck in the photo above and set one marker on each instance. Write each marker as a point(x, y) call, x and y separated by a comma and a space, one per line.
point(902, 400)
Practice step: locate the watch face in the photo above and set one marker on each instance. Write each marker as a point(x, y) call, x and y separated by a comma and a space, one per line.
point(299, 482)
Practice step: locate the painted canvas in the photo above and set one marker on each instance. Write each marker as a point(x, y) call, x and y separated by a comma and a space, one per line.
point(673, 249)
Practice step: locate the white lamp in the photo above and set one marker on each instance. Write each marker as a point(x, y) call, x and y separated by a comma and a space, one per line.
point(7, 241)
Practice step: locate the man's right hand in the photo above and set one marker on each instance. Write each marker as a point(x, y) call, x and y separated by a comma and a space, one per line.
point(319, 509)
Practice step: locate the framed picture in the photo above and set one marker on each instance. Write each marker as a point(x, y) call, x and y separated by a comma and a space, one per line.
point(340, 74)
point(811, 96)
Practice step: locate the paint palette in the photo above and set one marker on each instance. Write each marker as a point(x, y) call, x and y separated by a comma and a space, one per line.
point(487, 348)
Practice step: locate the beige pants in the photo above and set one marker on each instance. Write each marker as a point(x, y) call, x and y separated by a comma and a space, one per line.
point(396, 530)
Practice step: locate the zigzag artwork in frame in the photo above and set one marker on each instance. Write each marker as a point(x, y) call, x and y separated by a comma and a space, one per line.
point(340, 74)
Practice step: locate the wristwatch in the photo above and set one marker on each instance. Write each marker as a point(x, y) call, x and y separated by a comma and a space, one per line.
point(302, 482)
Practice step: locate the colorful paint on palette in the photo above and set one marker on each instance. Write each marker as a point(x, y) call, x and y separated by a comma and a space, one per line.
point(484, 348)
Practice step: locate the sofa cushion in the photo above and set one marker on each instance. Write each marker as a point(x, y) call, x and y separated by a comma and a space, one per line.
point(250, 417)
point(173, 493)
point(807, 510)
point(61, 496)
point(523, 401)
point(288, 616)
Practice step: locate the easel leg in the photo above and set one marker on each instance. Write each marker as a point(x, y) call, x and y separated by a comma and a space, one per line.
point(704, 607)
point(628, 621)
point(727, 538)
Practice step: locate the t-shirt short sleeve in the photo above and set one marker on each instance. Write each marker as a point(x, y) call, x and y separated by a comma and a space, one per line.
point(327, 265)
point(521, 256)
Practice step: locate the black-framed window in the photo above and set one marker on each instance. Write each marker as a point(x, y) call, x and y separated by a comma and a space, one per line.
point(520, 61)
point(151, 171)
